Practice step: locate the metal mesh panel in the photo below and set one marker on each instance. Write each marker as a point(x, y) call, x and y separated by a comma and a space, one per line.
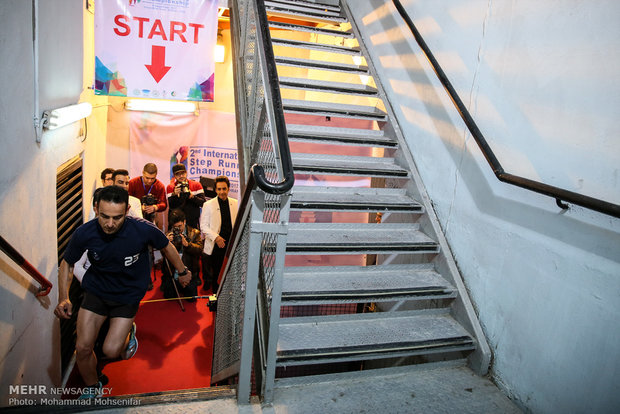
point(252, 78)
point(271, 214)
point(229, 320)
point(266, 157)
point(259, 148)
point(268, 258)
point(316, 310)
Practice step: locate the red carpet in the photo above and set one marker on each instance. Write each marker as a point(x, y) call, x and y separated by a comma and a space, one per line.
point(174, 348)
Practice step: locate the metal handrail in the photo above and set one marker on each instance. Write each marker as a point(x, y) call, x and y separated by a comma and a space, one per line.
point(46, 285)
point(274, 107)
point(560, 195)
point(257, 176)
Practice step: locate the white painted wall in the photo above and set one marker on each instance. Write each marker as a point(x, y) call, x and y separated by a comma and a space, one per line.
point(541, 80)
point(29, 332)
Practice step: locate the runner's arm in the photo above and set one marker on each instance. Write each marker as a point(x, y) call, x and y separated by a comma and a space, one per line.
point(64, 308)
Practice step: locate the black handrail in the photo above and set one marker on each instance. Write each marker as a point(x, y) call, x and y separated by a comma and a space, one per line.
point(257, 177)
point(46, 285)
point(559, 194)
point(277, 110)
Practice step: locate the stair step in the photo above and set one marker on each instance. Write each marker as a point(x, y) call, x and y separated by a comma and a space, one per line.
point(369, 336)
point(311, 29)
point(327, 86)
point(378, 377)
point(334, 109)
point(354, 199)
point(317, 6)
point(314, 285)
point(355, 238)
point(347, 165)
point(301, 11)
point(432, 387)
point(336, 135)
point(322, 65)
point(354, 51)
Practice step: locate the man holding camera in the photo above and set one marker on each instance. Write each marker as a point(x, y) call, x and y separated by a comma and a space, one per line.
point(189, 244)
point(150, 191)
point(186, 195)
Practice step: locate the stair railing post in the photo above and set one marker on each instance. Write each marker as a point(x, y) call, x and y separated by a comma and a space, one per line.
point(276, 298)
point(249, 312)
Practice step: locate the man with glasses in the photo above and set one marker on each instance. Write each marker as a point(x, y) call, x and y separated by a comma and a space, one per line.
point(106, 177)
point(186, 195)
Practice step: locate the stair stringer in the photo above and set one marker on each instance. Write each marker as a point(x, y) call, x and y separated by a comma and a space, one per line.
point(461, 308)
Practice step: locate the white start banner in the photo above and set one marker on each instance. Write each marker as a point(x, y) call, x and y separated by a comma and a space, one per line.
point(161, 49)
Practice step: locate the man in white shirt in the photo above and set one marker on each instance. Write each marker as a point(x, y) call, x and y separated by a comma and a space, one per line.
point(216, 223)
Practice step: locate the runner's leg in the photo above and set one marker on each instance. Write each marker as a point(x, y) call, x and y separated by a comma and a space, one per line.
point(88, 325)
point(118, 336)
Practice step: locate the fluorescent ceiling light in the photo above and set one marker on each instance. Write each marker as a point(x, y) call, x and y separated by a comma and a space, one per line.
point(67, 115)
point(220, 53)
point(220, 49)
point(158, 105)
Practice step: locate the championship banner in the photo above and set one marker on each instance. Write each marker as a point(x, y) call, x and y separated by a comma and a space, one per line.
point(205, 144)
point(156, 48)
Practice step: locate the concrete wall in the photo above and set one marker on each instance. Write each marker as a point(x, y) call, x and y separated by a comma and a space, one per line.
point(540, 78)
point(29, 332)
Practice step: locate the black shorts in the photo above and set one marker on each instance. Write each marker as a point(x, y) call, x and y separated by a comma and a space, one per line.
point(108, 308)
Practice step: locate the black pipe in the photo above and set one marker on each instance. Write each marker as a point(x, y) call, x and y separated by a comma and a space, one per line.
point(10, 251)
point(559, 194)
point(276, 102)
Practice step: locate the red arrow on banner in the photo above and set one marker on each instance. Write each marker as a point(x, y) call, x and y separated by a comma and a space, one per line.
point(158, 68)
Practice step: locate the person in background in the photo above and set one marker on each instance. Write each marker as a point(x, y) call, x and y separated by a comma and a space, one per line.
point(216, 223)
point(186, 195)
point(120, 178)
point(150, 191)
point(106, 177)
point(189, 243)
point(81, 266)
point(114, 283)
point(152, 195)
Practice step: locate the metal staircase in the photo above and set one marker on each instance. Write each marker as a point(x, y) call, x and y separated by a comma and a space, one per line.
point(406, 275)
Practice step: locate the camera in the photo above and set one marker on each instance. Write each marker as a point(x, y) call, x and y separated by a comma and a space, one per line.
point(177, 238)
point(149, 200)
point(184, 187)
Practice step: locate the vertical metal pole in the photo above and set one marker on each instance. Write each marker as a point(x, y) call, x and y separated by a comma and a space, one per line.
point(249, 311)
point(276, 300)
